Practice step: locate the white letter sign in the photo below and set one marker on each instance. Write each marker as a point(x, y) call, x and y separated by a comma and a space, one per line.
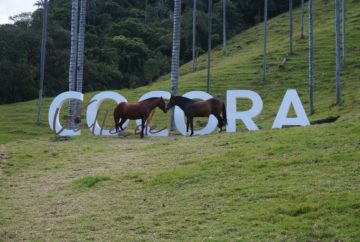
point(291, 98)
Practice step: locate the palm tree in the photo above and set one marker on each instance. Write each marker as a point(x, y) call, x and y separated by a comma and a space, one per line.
point(265, 37)
point(344, 32)
point(80, 57)
point(72, 66)
point(194, 38)
point(337, 30)
point(39, 3)
point(209, 44)
point(291, 25)
point(175, 53)
point(224, 27)
point(42, 64)
point(302, 18)
point(311, 59)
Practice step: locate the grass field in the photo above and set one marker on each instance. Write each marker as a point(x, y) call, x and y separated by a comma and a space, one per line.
point(294, 184)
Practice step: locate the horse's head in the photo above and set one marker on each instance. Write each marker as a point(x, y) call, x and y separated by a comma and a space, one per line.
point(161, 105)
point(171, 103)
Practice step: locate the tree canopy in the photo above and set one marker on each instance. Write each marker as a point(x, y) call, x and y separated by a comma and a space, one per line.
point(121, 51)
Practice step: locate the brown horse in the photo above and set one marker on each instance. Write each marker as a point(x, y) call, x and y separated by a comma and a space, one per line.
point(193, 109)
point(133, 111)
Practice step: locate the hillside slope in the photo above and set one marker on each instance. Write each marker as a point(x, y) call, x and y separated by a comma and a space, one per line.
point(242, 69)
point(296, 184)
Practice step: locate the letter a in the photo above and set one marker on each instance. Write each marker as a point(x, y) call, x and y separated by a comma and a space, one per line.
point(291, 98)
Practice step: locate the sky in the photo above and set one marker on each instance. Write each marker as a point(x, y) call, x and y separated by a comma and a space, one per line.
point(12, 7)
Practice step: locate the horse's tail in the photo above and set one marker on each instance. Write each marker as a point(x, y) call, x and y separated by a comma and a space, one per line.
point(224, 112)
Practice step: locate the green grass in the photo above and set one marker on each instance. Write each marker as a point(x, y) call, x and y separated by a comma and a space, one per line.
point(89, 181)
point(294, 184)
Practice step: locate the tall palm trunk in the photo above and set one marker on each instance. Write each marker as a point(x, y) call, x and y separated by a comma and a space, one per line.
point(175, 53)
point(80, 57)
point(209, 44)
point(291, 25)
point(224, 27)
point(311, 59)
point(72, 67)
point(194, 38)
point(302, 18)
point(265, 37)
point(42, 64)
point(344, 33)
point(337, 30)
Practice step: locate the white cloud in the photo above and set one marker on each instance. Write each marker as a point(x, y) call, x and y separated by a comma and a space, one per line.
point(12, 7)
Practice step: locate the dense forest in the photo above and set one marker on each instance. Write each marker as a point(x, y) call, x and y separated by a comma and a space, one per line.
point(124, 47)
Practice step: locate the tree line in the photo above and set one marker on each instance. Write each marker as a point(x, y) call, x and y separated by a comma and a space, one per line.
point(127, 43)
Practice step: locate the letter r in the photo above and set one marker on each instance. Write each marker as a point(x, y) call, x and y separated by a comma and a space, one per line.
point(245, 116)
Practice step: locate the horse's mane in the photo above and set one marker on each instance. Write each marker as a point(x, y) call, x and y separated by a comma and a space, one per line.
point(150, 99)
point(184, 99)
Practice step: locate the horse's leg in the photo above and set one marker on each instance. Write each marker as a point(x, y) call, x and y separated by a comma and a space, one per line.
point(187, 124)
point(192, 125)
point(142, 128)
point(220, 121)
point(123, 120)
point(116, 119)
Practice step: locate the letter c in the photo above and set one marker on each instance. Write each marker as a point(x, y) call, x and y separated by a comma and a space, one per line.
point(93, 108)
point(54, 112)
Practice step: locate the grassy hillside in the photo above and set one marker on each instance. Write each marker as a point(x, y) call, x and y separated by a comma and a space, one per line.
point(293, 184)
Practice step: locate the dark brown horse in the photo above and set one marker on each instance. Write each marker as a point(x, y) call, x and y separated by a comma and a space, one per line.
point(194, 108)
point(133, 111)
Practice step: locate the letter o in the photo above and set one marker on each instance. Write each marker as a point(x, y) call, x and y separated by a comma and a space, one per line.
point(179, 115)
